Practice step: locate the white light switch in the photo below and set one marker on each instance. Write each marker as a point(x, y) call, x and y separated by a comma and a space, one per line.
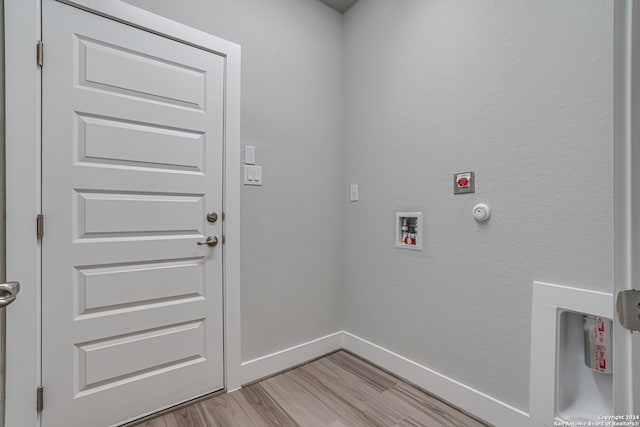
point(252, 175)
point(249, 155)
point(353, 193)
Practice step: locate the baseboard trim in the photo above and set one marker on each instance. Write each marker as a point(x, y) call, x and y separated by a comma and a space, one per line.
point(270, 364)
point(454, 392)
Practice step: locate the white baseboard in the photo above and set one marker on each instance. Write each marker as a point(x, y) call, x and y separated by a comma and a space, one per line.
point(468, 399)
point(273, 363)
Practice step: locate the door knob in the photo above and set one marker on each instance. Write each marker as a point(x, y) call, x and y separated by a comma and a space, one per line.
point(212, 217)
point(8, 293)
point(211, 241)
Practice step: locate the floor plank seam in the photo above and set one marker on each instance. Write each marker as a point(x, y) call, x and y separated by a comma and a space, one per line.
point(483, 422)
point(339, 389)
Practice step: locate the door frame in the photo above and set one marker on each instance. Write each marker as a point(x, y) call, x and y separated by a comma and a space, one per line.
point(23, 190)
point(626, 197)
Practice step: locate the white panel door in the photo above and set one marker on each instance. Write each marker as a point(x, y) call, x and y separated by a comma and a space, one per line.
point(132, 163)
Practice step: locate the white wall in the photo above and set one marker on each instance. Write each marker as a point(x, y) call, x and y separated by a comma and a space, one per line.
point(292, 112)
point(521, 93)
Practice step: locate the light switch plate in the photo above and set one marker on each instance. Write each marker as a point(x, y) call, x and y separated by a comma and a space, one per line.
point(252, 175)
point(249, 155)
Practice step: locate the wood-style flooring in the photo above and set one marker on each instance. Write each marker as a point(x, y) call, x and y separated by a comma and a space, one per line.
point(339, 390)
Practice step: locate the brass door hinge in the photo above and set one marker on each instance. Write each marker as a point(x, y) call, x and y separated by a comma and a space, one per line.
point(39, 398)
point(40, 226)
point(40, 53)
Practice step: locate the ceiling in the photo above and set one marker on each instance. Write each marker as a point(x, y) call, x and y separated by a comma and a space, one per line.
point(339, 5)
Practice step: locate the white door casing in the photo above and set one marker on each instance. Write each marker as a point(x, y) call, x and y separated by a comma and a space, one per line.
point(141, 194)
point(626, 200)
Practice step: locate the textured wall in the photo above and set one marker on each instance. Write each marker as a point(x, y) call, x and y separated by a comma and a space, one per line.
point(521, 93)
point(292, 112)
point(518, 91)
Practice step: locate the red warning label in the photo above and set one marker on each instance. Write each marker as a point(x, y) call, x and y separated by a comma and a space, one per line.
point(598, 343)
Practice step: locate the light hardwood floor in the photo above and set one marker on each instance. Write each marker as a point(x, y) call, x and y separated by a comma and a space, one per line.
point(339, 390)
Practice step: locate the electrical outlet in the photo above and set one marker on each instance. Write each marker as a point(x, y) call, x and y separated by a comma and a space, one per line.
point(354, 193)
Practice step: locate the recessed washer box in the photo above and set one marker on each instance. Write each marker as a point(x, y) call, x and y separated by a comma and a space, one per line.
point(409, 230)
